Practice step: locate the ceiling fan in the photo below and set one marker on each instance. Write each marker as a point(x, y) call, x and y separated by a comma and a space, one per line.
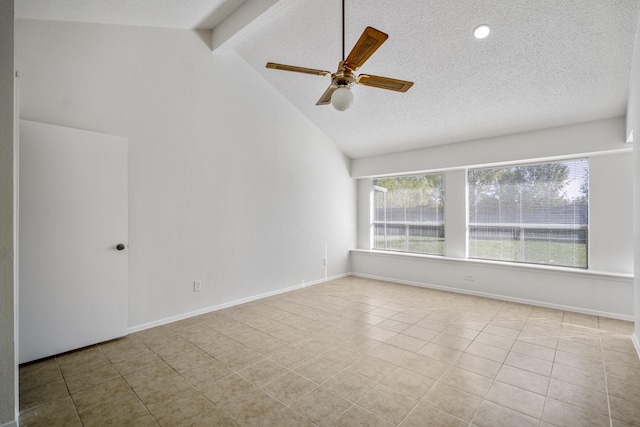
point(338, 93)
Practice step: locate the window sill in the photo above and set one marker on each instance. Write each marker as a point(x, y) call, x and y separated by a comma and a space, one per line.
point(501, 264)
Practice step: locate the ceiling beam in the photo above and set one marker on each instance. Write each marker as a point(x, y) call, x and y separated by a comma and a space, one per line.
point(237, 23)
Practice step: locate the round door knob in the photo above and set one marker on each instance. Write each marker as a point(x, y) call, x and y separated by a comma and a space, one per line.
point(120, 247)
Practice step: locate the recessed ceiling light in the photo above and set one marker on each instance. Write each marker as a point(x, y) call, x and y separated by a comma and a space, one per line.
point(481, 31)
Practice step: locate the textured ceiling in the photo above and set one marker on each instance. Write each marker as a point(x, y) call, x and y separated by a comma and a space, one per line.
point(187, 14)
point(546, 62)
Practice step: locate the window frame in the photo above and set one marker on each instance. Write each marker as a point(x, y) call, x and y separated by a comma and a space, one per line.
point(439, 224)
point(524, 227)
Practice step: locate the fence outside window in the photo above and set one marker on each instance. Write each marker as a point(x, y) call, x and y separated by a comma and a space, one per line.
point(530, 213)
point(408, 214)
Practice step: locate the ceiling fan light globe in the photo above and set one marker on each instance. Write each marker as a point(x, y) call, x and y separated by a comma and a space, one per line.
point(342, 99)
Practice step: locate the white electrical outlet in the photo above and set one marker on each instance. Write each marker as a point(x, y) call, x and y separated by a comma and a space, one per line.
point(197, 285)
point(468, 277)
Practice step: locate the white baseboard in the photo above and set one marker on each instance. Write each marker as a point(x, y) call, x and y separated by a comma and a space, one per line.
point(206, 310)
point(636, 343)
point(500, 297)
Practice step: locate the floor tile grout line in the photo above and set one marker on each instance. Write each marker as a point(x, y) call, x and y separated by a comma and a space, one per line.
point(606, 384)
point(133, 390)
point(178, 373)
point(360, 333)
point(494, 380)
point(75, 408)
point(378, 383)
point(439, 380)
point(288, 405)
point(139, 398)
point(546, 394)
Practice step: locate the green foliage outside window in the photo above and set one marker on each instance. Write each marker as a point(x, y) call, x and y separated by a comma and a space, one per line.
point(530, 213)
point(409, 214)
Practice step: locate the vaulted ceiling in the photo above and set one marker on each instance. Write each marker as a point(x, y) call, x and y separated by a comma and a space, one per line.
point(546, 63)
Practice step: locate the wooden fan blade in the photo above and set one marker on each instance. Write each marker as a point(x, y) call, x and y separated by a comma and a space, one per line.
point(297, 69)
point(384, 82)
point(370, 40)
point(326, 96)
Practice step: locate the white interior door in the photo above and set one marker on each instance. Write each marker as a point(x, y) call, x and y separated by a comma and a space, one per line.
point(72, 216)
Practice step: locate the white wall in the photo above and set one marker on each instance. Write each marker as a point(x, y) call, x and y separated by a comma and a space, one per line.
point(633, 107)
point(606, 288)
point(598, 294)
point(633, 123)
point(636, 204)
point(611, 213)
point(7, 343)
point(228, 183)
point(593, 137)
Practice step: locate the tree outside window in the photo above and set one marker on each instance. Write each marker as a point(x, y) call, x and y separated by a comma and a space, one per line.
point(408, 214)
point(530, 213)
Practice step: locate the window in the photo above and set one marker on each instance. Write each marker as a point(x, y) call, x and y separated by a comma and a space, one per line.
point(408, 214)
point(530, 213)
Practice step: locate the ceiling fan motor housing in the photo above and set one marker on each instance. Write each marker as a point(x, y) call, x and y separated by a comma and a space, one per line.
point(342, 78)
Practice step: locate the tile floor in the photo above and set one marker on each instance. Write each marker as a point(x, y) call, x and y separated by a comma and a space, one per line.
point(351, 352)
